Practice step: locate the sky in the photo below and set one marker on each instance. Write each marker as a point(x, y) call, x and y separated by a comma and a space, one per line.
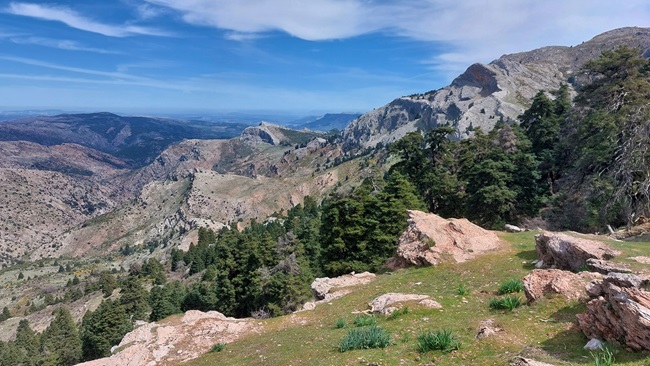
point(307, 56)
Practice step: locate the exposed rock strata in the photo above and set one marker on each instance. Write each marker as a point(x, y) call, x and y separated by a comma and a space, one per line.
point(540, 282)
point(564, 251)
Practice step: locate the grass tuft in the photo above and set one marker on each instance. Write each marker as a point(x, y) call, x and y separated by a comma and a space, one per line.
point(364, 338)
point(443, 339)
point(340, 323)
point(399, 312)
point(463, 290)
point(218, 347)
point(605, 357)
point(511, 286)
point(364, 320)
point(506, 303)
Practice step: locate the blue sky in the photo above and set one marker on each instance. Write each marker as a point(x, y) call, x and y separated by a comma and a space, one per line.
point(161, 56)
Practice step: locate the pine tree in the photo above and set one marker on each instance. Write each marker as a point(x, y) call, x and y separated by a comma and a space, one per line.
point(103, 329)
point(60, 341)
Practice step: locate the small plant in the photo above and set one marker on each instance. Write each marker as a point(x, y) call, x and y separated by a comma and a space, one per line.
point(511, 286)
point(340, 323)
point(444, 340)
point(399, 312)
point(364, 338)
point(364, 320)
point(463, 290)
point(583, 268)
point(218, 347)
point(506, 303)
point(603, 358)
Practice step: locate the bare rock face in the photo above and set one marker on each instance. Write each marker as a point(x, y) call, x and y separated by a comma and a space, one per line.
point(322, 287)
point(173, 343)
point(540, 282)
point(619, 315)
point(429, 238)
point(563, 251)
point(381, 303)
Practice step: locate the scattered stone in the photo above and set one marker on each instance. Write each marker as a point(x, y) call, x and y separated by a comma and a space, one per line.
point(605, 267)
point(521, 361)
point(429, 238)
point(431, 304)
point(563, 251)
point(594, 344)
point(641, 259)
point(323, 286)
point(379, 304)
point(540, 282)
point(513, 228)
point(487, 328)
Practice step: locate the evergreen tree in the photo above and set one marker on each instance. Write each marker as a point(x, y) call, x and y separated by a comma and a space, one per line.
point(103, 329)
point(134, 298)
point(60, 341)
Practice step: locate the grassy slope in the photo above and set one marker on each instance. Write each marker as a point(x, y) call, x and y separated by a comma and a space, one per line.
point(544, 331)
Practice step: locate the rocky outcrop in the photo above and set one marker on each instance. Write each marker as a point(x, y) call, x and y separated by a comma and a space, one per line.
point(619, 314)
point(382, 303)
point(325, 287)
point(540, 282)
point(605, 267)
point(485, 94)
point(429, 238)
point(564, 251)
point(487, 328)
point(175, 342)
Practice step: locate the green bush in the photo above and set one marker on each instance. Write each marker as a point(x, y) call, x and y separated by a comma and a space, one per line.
point(443, 339)
point(605, 357)
point(511, 286)
point(364, 338)
point(506, 303)
point(218, 347)
point(340, 323)
point(364, 320)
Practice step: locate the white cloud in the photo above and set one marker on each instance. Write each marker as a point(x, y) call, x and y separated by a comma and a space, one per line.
point(62, 44)
point(471, 30)
point(75, 20)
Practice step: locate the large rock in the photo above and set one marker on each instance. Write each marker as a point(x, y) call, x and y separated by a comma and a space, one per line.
point(605, 267)
point(619, 315)
point(568, 252)
point(429, 238)
point(540, 282)
point(379, 304)
point(171, 343)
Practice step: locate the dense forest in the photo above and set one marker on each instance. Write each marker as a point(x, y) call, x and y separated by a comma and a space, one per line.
point(577, 164)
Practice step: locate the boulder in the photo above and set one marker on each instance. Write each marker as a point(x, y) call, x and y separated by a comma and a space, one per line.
point(322, 287)
point(540, 282)
point(605, 267)
point(381, 303)
point(487, 328)
point(568, 252)
point(619, 315)
point(593, 345)
point(429, 238)
point(512, 228)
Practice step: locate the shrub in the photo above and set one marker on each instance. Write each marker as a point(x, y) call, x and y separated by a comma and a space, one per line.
point(605, 357)
point(511, 286)
point(444, 340)
point(364, 338)
point(340, 323)
point(463, 290)
point(218, 347)
point(506, 303)
point(364, 320)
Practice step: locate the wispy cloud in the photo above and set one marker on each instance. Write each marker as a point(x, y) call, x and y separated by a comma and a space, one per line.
point(472, 31)
point(62, 44)
point(75, 20)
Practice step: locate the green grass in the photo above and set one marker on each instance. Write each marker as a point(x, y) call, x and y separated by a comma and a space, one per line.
point(604, 357)
point(505, 303)
point(545, 330)
point(463, 290)
point(364, 320)
point(218, 347)
point(364, 338)
point(511, 286)
point(340, 323)
point(399, 312)
point(444, 340)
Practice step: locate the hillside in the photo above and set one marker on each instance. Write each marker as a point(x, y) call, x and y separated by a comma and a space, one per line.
point(486, 94)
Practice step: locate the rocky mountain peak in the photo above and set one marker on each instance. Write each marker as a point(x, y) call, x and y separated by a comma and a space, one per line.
point(485, 94)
